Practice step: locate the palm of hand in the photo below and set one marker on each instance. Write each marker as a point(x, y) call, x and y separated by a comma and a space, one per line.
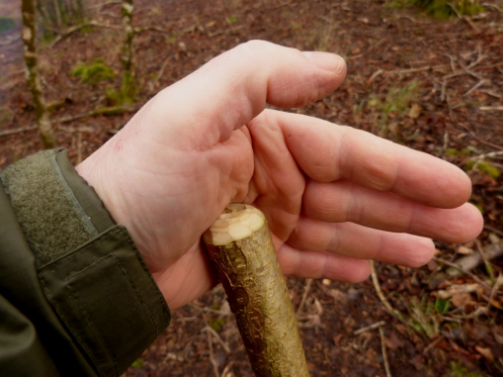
point(333, 196)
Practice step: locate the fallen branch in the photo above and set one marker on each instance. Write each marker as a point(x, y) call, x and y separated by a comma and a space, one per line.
point(491, 108)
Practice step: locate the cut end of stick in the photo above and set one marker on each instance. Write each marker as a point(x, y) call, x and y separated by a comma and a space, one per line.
point(237, 222)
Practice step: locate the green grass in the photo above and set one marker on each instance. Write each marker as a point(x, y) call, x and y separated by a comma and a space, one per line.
point(391, 108)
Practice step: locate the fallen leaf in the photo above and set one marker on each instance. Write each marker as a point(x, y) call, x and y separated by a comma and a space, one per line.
point(457, 289)
point(486, 352)
point(460, 300)
point(393, 342)
point(465, 250)
point(338, 296)
point(432, 265)
point(498, 335)
point(495, 240)
point(415, 111)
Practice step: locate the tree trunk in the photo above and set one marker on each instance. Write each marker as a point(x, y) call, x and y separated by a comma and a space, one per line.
point(242, 251)
point(32, 77)
point(128, 80)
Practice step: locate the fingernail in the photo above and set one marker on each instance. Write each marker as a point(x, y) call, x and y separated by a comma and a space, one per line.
point(326, 61)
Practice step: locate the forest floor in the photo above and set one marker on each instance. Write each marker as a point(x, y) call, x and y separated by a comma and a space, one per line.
point(433, 85)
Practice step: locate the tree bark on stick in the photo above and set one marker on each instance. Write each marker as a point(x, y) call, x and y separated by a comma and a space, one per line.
point(240, 246)
point(32, 77)
point(128, 81)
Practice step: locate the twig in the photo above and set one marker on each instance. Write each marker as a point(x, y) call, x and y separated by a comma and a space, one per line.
point(212, 358)
point(486, 155)
point(453, 62)
point(495, 288)
point(472, 134)
point(304, 295)
point(378, 289)
point(432, 345)
point(469, 69)
point(453, 265)
point(368, 328)
point(374, 75)
point(491, 108)
point(384, 353)
point(210, 310)
point(218, 338)
point(418, 69)
point(161, 71)
point(372, 48)
point(492, 94)
point(476, 86)
point(104, 4)
point(467, 19)
point(150, 28)
point(227, 369)
point(79, 147)
point(494, 230)
point(481, 310)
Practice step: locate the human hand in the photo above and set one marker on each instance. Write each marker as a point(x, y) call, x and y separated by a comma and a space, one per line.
point(334, 196)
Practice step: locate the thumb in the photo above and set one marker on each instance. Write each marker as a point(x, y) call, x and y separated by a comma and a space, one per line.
point(234, 87)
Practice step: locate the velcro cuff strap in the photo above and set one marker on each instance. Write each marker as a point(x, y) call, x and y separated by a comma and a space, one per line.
point(89, 268)
point(106, 300)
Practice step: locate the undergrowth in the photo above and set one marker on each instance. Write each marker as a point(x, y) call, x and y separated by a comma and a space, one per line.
point(442, 8)
point(93, 72)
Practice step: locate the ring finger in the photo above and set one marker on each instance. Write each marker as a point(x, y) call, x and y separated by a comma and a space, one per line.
point(356, 241)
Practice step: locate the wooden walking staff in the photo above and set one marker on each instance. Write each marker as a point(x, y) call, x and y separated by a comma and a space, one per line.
point(242, 252)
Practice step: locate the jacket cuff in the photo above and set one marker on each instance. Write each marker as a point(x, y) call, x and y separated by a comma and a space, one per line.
point(89, 268)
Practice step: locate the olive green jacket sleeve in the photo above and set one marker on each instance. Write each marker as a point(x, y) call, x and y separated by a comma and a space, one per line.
point(76, 299)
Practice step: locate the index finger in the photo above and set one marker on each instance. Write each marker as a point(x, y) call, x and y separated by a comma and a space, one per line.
point(327, 152)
